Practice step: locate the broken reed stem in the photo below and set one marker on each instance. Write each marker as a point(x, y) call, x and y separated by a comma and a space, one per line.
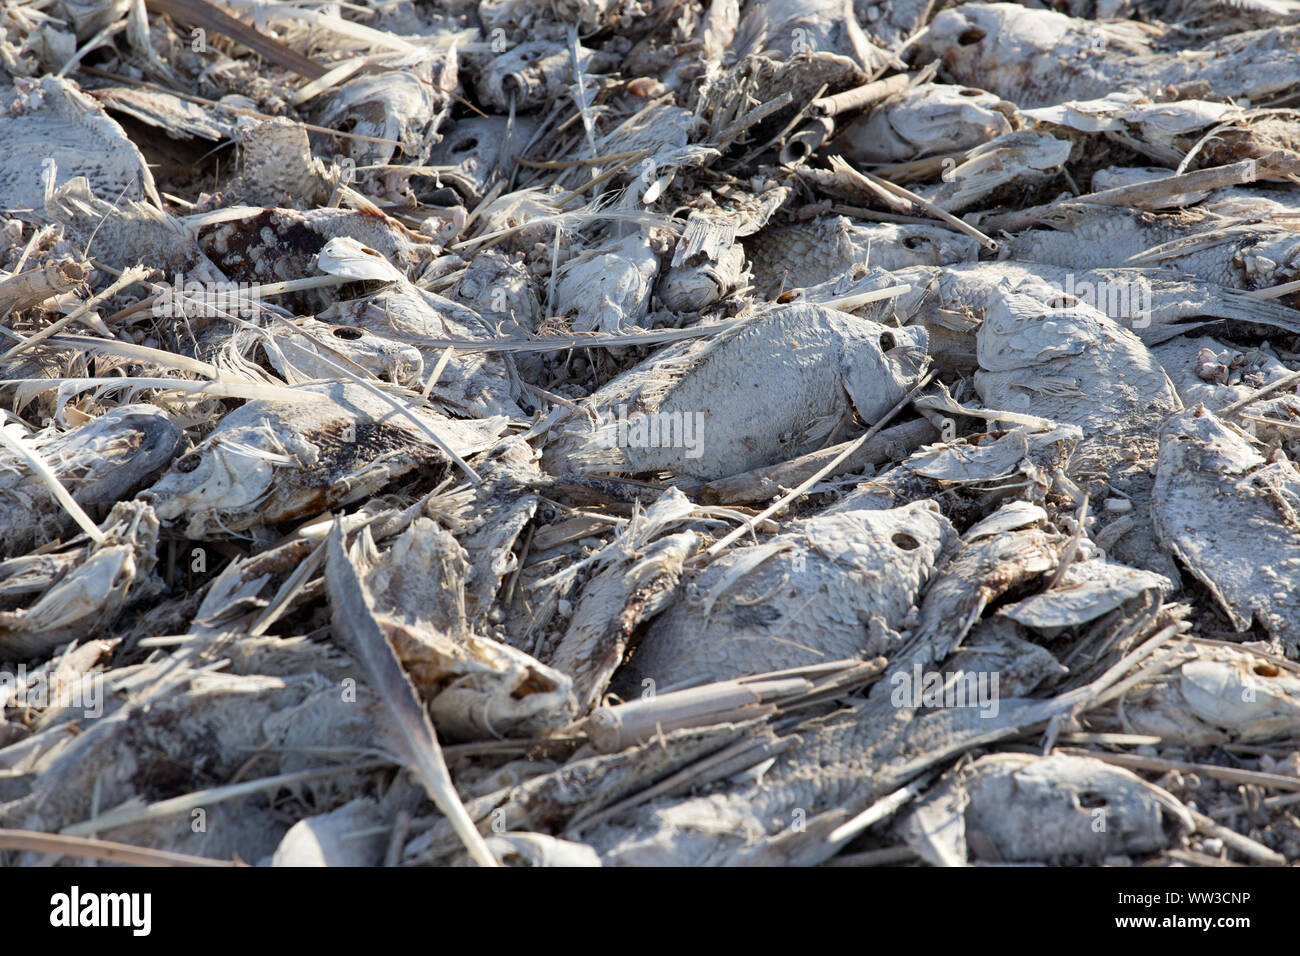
point(959, 224)
point(1259, 393)
point(573, 194)
point(129, 277)
point(820, 473)
point(237, 110)
point(1277, 291)
point(884, 807)
point(1243, 845)
point(1273, 781)
point(200, 13)
point(756, 115)
point(1143, 195)
point(570, 163)
point(861, 96)
point(106, 850)
point(199, 798)
point(25, 289)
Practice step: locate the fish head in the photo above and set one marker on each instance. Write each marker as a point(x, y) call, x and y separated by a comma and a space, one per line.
point(881, 364)
point(934, 118)
point(692, 286)
point(321, 344)
point(226, 473)
point(892, 247)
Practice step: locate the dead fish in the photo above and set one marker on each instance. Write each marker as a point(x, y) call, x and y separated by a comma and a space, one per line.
point(607, 288)
point(362, 351)
point(1087, 590)
point(926, 119)
point(405, 105)
point(275, 245)
point(504, 503)
point(830, 769)
point(1079, 367)
point(328, 839)
point(126, 233)
point(101, 462)
point(697, 285)
point(710, 409)
point(971, 474)
point(1224, 694)
point(1022, 808)
point(475, 383)
point(804, 255)
point(580, 788)
point(532, 73)
point(477, 688)
point(1245, 255)
point(173, 114)
point(478, 149)
point(54, 131)
point(1039, 57)
point(272, 461)
point(708, 263)
point(831, 587)
point(757, 78)
point(887, 25)
point(1230, 516)
point(278, 167)
point(132, 755)
point(995, 646)
point(1162, 131)
point(1003, 552)
point(632, 579)
point(504, 293)
point(1155, 304)
point(788, 28)
point(668, 134)
point(103, 579)
point(1025, 160)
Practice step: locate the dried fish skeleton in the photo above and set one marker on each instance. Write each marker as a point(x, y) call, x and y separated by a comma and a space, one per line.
point(102, 461)
point(804, 255)
point(1218, 504)
point(272, 461)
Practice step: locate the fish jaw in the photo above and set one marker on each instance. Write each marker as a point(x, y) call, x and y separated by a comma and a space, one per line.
point(223, 475)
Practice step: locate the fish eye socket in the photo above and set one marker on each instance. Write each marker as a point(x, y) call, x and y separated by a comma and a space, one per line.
point(913, 242)
point(887, 341)
point(187, 464)
point(905, 541)
point(343, 332)
point(970, 36)
point(465, 145)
